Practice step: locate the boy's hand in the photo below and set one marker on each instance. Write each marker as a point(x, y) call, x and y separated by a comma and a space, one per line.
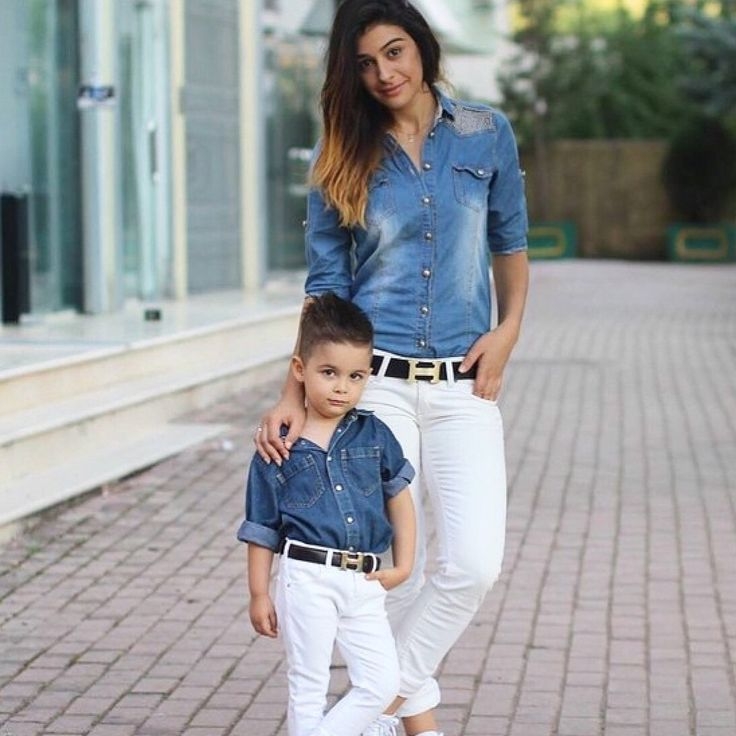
point(390, 577)
point(263, 615)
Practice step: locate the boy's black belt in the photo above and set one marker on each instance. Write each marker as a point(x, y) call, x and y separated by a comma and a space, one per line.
point(413, 369)
point(345, 560)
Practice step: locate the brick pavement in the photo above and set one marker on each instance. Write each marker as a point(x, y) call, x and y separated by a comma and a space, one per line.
point(616, 611)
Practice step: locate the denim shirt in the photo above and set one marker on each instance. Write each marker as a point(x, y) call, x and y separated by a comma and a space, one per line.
point(334, 498)
point(420, 267)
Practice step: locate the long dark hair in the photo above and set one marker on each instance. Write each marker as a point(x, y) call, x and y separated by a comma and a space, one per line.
point(354, 123)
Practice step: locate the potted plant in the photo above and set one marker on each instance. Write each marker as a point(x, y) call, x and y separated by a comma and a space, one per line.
point(699, 176)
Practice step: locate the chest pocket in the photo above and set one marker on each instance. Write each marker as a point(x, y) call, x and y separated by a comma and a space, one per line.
point(300, 482)
point(381, 203)
point(362, 468)
point(471, 185)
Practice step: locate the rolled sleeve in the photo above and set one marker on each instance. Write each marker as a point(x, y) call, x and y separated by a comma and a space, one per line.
point(396, 471)
point(507, 212)
point(262, 523)
point(258, 534)
point(400, 481)
point(327, 246)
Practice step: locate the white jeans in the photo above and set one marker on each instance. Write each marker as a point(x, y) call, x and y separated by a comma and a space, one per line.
point(455, 442)
point(317, 606)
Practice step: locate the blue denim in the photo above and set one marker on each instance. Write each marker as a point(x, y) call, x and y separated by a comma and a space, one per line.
point(420, 267)
point(334, 498)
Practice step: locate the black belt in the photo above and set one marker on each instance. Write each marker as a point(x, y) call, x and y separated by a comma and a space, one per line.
point(356, 561)
point(420, 370)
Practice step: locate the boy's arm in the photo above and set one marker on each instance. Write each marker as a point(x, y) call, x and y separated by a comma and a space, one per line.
point(400, 509)
point(262, 611)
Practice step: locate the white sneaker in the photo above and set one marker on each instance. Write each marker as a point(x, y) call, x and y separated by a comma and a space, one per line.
point(383, 726)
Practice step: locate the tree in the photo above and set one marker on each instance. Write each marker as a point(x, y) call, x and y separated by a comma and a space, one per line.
point(710, 77)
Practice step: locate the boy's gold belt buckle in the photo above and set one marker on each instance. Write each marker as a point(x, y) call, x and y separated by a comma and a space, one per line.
point(431, 371)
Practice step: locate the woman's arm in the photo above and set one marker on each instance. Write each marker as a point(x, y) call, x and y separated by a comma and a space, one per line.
point(289, 411)
point(492, 350)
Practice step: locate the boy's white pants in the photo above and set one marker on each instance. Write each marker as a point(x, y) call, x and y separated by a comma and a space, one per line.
point(317, 606)
point(455, 442)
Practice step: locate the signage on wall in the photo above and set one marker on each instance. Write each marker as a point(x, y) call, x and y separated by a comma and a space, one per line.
point(95, 96)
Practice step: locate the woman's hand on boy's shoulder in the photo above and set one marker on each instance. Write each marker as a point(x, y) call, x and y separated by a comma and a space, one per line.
point(271, 444)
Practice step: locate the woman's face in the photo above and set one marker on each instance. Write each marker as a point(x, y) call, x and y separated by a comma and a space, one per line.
point(390, 66)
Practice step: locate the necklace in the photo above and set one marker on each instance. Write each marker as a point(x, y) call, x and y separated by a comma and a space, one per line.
point(411, 137)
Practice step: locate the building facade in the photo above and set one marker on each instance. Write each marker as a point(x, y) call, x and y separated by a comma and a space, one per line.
point(153, 149)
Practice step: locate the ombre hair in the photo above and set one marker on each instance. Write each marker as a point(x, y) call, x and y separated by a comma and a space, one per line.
point(354, 122)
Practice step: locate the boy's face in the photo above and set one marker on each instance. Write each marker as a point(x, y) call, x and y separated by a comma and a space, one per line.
point(334, 376)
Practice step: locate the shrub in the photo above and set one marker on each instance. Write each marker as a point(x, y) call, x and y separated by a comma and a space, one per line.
point(699, 170)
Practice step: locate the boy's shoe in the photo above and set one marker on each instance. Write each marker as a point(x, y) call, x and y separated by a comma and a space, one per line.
point(383, 726)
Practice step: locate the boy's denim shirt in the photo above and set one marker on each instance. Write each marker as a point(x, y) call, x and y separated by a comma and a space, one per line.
point(334, 498)
point(420, 267)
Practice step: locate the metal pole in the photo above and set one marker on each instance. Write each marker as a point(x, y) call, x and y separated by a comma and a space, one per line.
point(98, 121)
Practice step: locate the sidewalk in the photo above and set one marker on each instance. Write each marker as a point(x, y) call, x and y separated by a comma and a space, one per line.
point(616, 612)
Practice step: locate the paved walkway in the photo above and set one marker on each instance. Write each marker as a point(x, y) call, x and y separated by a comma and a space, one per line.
point(616, 612)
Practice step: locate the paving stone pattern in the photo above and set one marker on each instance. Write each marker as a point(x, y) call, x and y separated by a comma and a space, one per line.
point(616, 611)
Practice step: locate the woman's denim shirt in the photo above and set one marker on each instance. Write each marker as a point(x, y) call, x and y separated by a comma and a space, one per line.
point(420, 267)
point(334, 498)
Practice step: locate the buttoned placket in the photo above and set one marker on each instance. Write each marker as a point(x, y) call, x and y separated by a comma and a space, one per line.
point(426, 181)
point(339, 486)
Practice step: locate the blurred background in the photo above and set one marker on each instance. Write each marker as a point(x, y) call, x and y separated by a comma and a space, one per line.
point(157, 149)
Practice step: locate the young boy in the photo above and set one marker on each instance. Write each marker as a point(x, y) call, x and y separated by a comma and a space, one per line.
point(339, 501)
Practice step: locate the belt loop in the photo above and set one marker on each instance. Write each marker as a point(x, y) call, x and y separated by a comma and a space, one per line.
point(385, 360)
point(450, 372)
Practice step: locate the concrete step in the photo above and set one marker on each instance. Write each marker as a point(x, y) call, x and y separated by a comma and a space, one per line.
point(59, 380)
point(99, 416)
point(54, 484)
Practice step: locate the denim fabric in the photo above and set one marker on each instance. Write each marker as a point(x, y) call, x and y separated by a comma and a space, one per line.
point(420, 267)
point(334, 498)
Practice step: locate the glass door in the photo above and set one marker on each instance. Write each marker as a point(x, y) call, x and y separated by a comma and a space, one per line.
point(144, 135)
point(55, 211)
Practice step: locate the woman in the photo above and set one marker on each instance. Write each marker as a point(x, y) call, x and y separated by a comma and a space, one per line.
point(412, 193)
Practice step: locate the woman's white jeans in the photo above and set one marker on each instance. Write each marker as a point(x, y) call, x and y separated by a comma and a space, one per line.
point(317, 606)
point(455, 442)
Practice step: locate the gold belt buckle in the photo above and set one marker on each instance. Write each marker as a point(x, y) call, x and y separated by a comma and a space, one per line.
point(432, 371)
point(352, 561)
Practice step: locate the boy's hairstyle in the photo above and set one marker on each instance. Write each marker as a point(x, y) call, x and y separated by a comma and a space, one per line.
point(328, 318)
point(354, 123)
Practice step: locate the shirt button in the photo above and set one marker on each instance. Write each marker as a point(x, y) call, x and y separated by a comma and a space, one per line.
point(329, 458)
point(349, 519)
point(426, 273)
point(481, 172)
point(431, 134)
point(424, 310)
point(422, 343)
point(427, 166)
point(426, 200)
point(351, 548)
point(428, 236)
point(338, 487)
